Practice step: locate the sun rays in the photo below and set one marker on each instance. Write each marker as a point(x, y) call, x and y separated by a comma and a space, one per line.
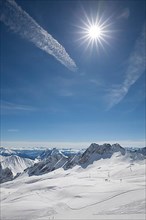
point(95, 31)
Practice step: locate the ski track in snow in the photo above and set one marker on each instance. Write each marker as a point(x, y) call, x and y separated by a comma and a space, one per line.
point(106, 199)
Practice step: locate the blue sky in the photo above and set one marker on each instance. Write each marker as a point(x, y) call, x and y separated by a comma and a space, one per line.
point(60, 89)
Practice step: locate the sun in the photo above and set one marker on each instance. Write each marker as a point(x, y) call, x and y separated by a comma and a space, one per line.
point(95, 32)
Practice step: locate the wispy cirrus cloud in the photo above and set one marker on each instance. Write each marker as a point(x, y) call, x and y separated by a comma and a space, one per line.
point(124, 14)
point(136, 66)
point(13, 107)
point(22, 23)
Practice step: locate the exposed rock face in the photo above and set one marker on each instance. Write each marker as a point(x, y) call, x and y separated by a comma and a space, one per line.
point(53, 161)
point(45, 154)
point(72, 161)
point(142, 151)
point(95, 152)
point(5, 174)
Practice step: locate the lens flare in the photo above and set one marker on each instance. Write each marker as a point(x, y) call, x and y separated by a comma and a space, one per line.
point(94, 32)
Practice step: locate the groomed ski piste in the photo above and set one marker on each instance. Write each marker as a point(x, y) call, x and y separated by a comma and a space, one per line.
point(111, 188)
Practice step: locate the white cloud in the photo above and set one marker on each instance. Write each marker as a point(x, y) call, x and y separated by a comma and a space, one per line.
point(22, 23)
point(124, 14)
point(135, 68)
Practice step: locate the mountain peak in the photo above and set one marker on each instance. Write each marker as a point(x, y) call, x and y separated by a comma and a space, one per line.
point(96, 152)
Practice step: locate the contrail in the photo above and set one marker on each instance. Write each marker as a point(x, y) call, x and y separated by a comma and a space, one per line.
point(136, 67)
point(22, 23)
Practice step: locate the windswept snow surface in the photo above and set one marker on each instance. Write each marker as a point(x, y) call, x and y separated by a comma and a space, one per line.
point(112, 188)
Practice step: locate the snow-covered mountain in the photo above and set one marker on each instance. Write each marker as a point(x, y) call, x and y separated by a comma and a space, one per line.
point(46, 153)
point(6, 152)
point(95, 152)
point(30, 154)
point(25, 153)
point(142, 151)
point(69, 152)
point(52, 159)
point(39, 153)
point(15, 163)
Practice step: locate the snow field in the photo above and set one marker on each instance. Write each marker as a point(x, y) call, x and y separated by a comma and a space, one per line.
point(108, 189)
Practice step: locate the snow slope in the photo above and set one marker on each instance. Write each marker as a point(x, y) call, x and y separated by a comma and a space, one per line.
point(112, 188)
point(15, 163)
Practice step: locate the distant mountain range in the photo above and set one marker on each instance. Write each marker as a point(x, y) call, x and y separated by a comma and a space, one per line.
point(38, 162)
point(36, 153)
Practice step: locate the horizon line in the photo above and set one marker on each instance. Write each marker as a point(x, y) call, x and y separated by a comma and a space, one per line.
point(69, 144)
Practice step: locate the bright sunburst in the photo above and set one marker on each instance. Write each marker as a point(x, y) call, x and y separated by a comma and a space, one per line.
point(95, 32)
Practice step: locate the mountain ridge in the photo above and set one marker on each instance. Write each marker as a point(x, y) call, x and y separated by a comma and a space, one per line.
point(52, 159)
